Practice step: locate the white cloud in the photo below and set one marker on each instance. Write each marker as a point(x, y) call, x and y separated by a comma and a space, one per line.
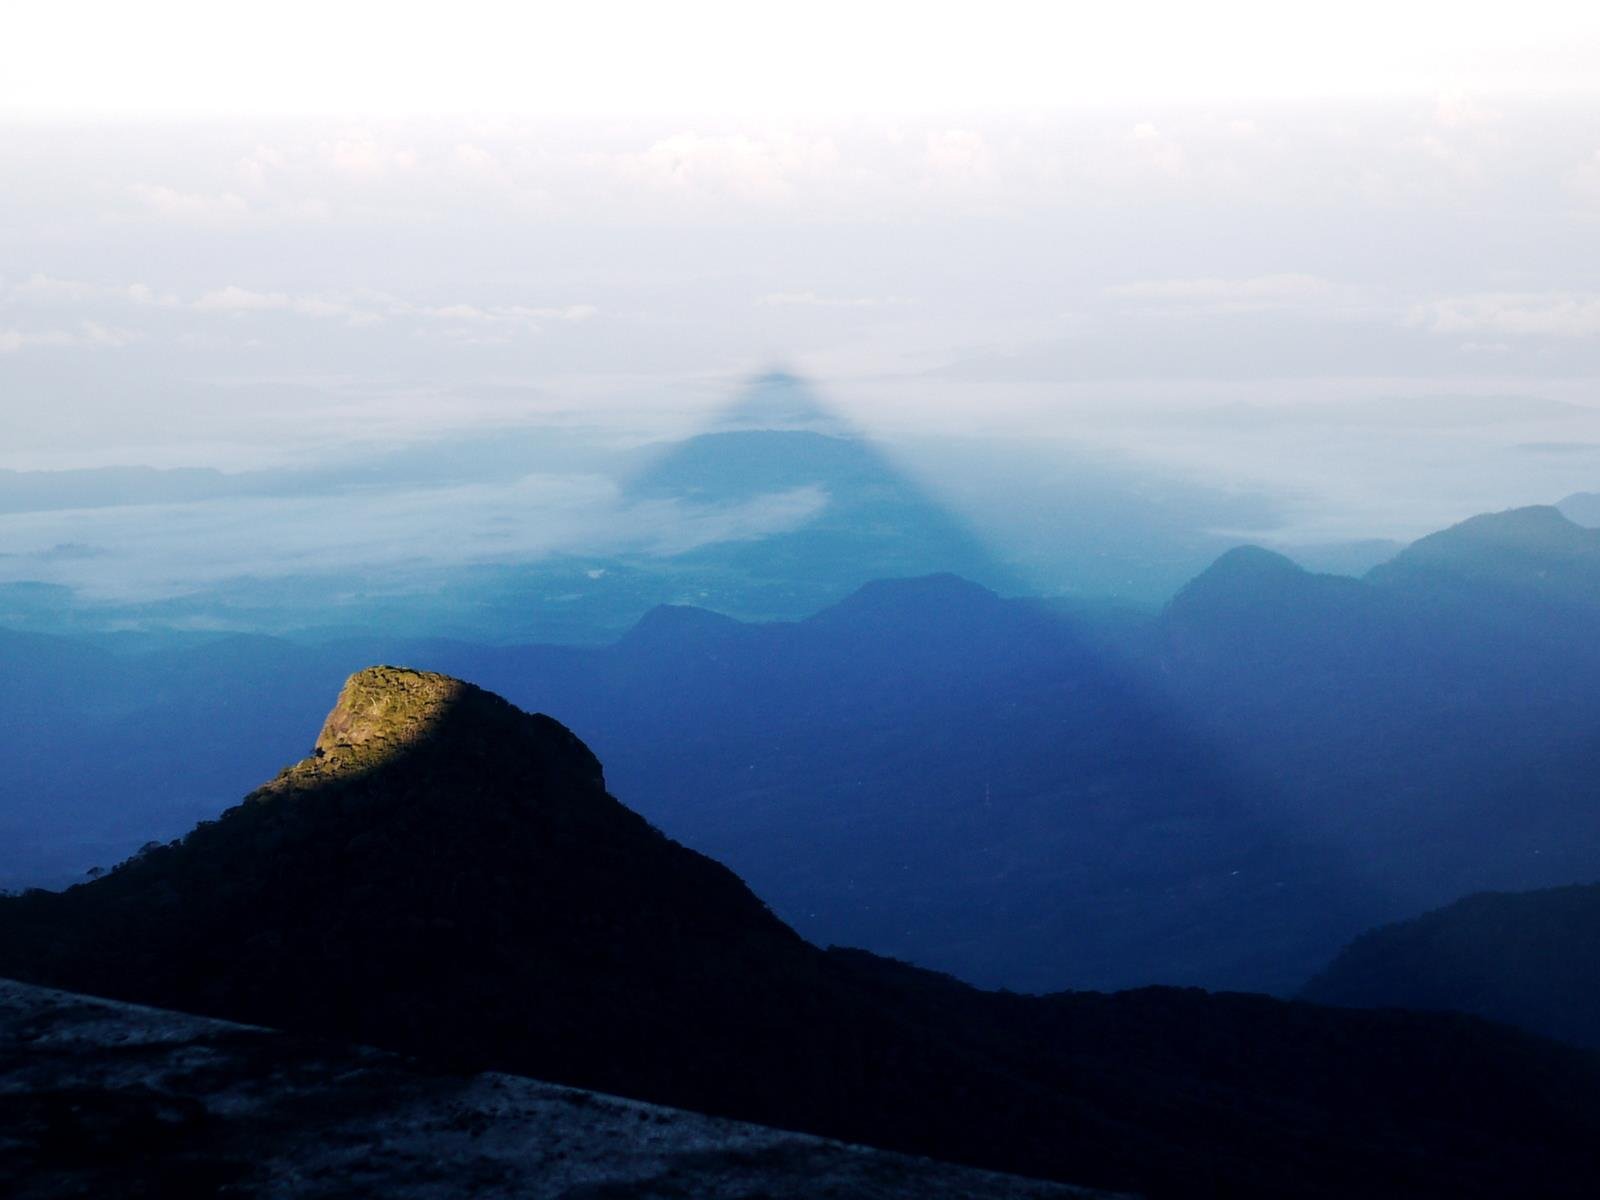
point(356, 309)
point(233, 299)
point(1536, 314)
point(569, 312)
point(1585, 177)
point(1219, 295)
point(1155, 151)
point(816, 300)
point(142, 294)
point(47, 291)
point(195, 544)
point(88, 333)
point(363, 155)
point(13, 340)
point(478, 325)
point(238, 299)
point(219, 208)
point(256, 168)
point(960, 152)
point(97, 334)
point(741, 166)
point(1271, 287)
point(474, 158)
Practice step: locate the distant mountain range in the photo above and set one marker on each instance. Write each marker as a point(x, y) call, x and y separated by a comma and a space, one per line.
point(1024, 794)
point(777, 509)
point(1526, 958)
point(447, 875)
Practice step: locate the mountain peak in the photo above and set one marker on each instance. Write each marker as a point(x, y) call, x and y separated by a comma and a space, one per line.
point(1239, 574)
point(677, 624)
point(1534, 549)
point(1252, 561)
point(1533, 519)
point(1537, 527)
point(779, 399)
point(387, 714)
point(383, 709)
point(942, 591)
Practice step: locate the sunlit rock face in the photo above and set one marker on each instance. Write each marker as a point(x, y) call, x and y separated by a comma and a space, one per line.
point(382, 708)
point(386, 716)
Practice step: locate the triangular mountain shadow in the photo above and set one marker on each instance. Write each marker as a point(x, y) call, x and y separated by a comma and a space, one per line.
point(862, 518)
point(781, 400)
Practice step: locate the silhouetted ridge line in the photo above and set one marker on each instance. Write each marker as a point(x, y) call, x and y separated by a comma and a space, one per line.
point(1527, 958)
point(674, 626)
point(920, 594)
point(1533, 552)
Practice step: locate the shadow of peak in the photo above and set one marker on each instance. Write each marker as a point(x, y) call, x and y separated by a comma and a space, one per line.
point(780, 400)
point(868, 519)
point(676, 624)
point(942, 592)
point(775, 434)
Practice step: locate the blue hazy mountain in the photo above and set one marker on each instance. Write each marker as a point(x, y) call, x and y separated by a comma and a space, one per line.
point(1526, 958)
point(1525, 554)
point(1023, 794)
point(1582, 508)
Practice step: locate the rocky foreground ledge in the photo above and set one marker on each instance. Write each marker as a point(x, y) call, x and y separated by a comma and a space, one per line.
point(103, 1098)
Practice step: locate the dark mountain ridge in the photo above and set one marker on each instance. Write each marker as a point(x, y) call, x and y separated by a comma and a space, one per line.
point(447, 875)
point(1530, 959)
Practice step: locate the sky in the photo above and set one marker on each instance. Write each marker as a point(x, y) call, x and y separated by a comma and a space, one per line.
point(1345, 253)
point(825, 57)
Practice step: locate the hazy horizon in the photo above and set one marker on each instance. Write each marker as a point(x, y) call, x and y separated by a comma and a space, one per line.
point(1344, 276)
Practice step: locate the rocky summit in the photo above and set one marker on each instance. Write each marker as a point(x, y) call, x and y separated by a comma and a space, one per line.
point(385, 714)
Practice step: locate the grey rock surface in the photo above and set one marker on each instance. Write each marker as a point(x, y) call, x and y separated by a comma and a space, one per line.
point(109, 1099)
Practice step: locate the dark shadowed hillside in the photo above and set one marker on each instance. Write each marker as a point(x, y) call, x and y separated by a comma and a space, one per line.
point(447, 875)
point(100, 1098)
point(1527, 958)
